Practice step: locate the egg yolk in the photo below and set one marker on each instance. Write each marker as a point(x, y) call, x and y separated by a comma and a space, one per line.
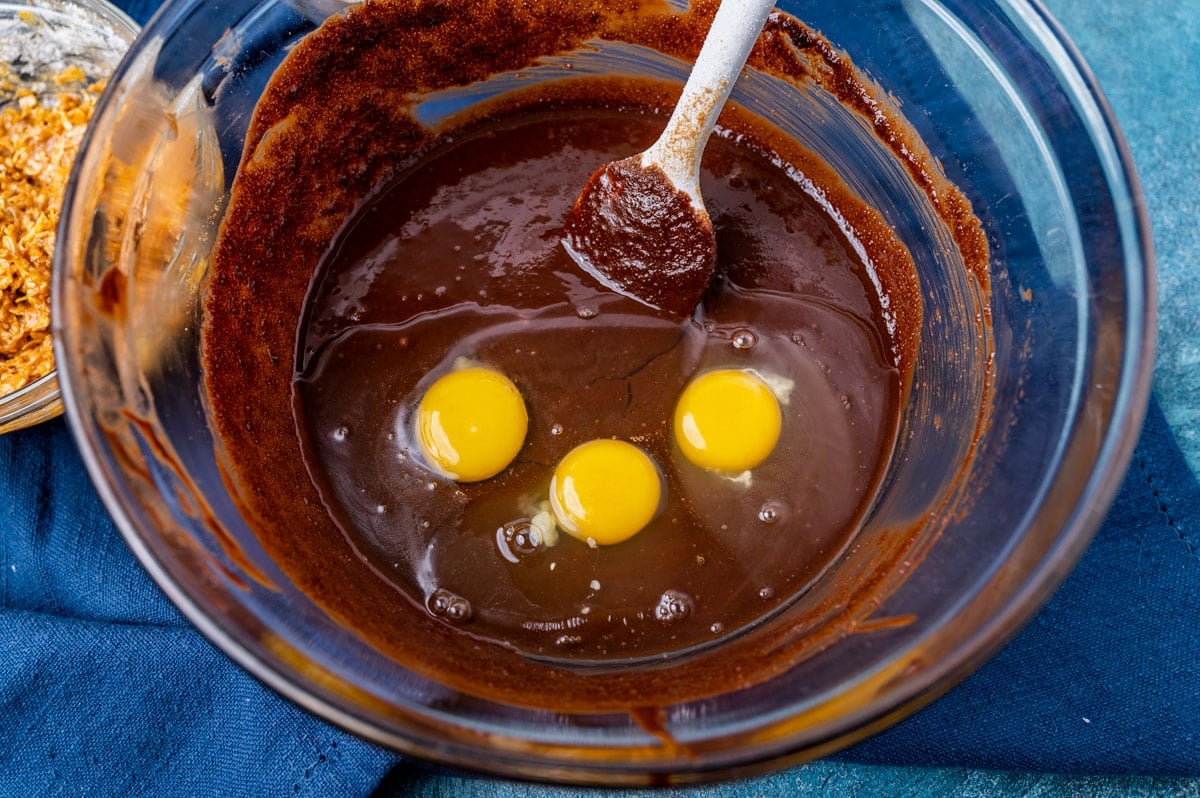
point(605, 491)
point(727, 420)
point(471, 423)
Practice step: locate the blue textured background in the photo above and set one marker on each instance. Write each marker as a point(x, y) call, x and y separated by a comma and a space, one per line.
point(106, 690)
point(1146, 56)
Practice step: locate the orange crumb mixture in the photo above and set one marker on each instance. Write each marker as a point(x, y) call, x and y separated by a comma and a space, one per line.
point(38, 141)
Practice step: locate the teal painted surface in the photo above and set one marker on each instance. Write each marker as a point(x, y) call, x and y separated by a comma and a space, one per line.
point(1146, 57)
point(825, 779)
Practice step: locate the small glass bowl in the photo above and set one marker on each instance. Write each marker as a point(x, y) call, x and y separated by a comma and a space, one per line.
point(38, 40)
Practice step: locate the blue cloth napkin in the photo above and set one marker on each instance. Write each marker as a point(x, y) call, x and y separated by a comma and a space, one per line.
point(106, 690)
point(1105, 679)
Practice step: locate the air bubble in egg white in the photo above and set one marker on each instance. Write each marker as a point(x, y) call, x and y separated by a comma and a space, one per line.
point(744, 339)
point(673, 605)
point(516, 540)
point(450, 606)
point(769, 513)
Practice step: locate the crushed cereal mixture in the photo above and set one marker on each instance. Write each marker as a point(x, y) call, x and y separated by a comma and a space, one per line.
point(38, 140)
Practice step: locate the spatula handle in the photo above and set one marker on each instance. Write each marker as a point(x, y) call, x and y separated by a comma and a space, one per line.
point(677, 152)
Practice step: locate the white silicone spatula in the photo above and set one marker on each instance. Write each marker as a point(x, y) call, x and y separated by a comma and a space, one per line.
point(640, 225)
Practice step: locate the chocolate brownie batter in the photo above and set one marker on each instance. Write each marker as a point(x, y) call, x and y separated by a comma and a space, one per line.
point(462, 258)
point(363, 254)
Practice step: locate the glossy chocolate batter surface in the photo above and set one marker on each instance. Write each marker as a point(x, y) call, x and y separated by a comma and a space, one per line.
point(462, 259)
point(363, 254)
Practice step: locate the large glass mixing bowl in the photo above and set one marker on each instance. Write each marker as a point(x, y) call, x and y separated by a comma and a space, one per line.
point(1008, 476)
